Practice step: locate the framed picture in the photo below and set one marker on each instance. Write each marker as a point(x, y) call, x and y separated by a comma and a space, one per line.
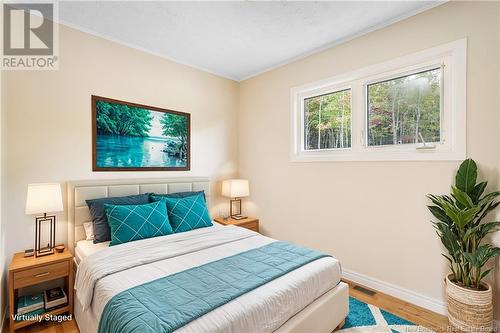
point(134, 137)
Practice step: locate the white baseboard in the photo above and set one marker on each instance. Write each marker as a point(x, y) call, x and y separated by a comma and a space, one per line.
point(426, 302)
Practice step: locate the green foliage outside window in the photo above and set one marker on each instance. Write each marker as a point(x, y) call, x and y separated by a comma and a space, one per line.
point(328, 121)
point(402, 109)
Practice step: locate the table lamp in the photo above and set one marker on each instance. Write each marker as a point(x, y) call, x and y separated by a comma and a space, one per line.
point(235, 189)
point(42, 199)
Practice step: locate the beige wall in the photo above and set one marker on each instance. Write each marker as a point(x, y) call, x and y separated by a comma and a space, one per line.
point(48, 120)
point(371, 215)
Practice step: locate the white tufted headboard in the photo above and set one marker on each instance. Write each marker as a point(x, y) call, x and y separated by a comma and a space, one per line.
point(79, 191)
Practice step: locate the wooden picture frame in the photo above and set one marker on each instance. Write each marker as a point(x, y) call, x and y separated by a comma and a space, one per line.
point(142, 143)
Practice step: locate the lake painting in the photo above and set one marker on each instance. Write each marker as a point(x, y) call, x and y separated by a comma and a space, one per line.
point(130, 137)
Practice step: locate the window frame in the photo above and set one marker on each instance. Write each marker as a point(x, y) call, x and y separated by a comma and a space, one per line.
point(450, 57)
point(443, 100)
point(336, 89)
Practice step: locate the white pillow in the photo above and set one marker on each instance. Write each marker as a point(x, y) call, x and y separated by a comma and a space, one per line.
point(89, 230)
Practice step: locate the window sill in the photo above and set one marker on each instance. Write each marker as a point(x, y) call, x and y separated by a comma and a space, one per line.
point(347, 155)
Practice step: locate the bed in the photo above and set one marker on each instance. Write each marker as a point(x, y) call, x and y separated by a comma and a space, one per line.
point(310, 298)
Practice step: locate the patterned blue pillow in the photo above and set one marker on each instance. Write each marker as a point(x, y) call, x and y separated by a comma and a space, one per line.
point(99, 219)
point(133, 222)
point(187, 213)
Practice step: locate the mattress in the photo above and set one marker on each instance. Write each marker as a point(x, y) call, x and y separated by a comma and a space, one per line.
point(263, 309)
point(84, 248)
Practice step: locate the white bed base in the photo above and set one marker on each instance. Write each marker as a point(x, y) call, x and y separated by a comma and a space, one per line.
point(323, 315)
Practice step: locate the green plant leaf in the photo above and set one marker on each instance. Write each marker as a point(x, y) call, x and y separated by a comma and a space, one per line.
point(471, 232)
point(436, 199)
point(485, 229)
point(447, 198)
point(471, 258)
point(484, 253)
point(439, 213)
point(451, 263)
point(460, 217)
point(486, 207)
point(488, 198)
point(466, 176)
point(468, 215)
point(477, 191)
point(449, 240)
point(483, 275)
point(453, 213)
point(447, 258)
point(495, 252)
point(462, 197)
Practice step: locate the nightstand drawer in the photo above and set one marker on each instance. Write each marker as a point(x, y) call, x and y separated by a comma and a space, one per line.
point(36, 275)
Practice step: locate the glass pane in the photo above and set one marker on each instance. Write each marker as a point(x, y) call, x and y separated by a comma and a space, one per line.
point(402, 109)
point(327, 120)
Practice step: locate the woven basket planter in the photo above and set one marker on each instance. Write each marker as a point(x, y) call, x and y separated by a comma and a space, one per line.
point(469, 310)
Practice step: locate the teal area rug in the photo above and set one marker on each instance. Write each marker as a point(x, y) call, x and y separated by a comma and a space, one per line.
point(369, 318)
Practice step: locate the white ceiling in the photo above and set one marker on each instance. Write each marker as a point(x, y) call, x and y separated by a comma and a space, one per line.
point(236, 40)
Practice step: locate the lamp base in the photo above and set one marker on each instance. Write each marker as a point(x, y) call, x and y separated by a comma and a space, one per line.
point(236, 215)
point(44, 252)
point(39, 222)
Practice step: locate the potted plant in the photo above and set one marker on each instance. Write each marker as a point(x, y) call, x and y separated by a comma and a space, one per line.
point(462, 231)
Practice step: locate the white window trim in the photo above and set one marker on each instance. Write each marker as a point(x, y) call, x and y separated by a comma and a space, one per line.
point(453, 111)
point(329, 89)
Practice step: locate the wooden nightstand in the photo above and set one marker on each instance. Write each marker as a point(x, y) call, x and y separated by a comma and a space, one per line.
point(251, 223)
point(25, 272)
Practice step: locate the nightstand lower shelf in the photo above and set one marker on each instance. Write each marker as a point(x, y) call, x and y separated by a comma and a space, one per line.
point(55, 312)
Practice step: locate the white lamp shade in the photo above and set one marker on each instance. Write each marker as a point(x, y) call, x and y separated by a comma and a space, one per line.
point(235, 188)
point(44, 198)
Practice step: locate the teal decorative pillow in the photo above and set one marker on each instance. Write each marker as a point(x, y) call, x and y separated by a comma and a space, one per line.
point(186, 213)
point(133, 222)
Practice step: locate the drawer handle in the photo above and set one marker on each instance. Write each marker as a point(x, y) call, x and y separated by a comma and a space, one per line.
point(42, 274)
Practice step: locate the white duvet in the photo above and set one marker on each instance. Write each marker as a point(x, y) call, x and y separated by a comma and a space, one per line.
point(109, 271)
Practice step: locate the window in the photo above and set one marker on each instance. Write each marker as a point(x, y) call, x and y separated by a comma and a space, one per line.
point(328, 121)
point(405, 109)
point(410, 108)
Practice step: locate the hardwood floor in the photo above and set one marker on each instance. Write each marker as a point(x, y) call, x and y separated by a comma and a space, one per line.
point(400, 308)
point(408, 311)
